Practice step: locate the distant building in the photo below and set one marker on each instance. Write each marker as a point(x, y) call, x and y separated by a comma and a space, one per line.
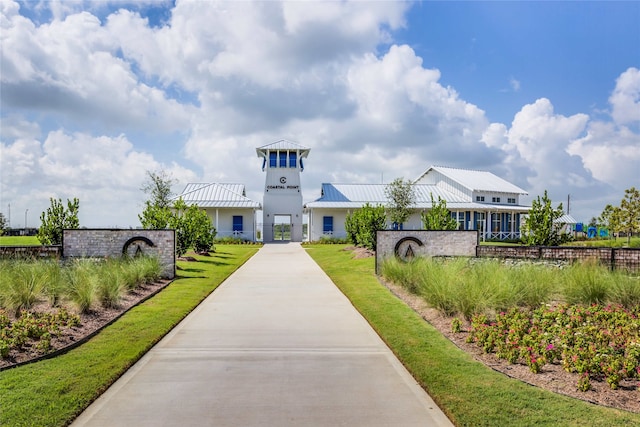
point(231, 212)
point(478, 200)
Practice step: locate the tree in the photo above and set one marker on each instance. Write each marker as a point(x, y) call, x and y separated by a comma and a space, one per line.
point(630, 212)
point(541, 226)
point(57, 218)
point(438, 217)
point(364, 224)
point(610, 219)
point(3, 224)
point(157, 213)
point(401, 196)
point(204, 231)
point(158, 187)
point(193, 228)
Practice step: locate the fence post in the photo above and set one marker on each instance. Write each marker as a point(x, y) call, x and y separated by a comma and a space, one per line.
point(613, 259)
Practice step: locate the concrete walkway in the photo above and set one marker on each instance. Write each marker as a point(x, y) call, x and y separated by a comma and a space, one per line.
point(277, 344)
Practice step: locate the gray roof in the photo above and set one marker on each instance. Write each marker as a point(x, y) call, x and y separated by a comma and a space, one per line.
point(216, 195)
point(566, 219)
point(353, 196)
point(356, 195)
point(283, 144)
point(477, 180)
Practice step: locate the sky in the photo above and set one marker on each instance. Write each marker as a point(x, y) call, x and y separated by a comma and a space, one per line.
point(95, 94)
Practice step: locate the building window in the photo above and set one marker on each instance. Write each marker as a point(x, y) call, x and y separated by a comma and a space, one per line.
point(327, 225)
point(237, 224)
point(273, 159)
point(479, 198)
point(292, 160)
point(283, 159)
point(495, 223)
point(511, 200)
point(495, 199)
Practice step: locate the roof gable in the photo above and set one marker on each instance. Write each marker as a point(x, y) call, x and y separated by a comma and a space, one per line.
point(477, 181)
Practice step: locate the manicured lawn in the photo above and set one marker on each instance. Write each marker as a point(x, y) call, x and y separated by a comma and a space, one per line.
point(468, 392)
point(19, 241)
point(53, 392)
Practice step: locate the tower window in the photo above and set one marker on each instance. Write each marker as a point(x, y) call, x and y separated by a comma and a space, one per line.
point(283, 159)
point(273, 159)
point(292, 160)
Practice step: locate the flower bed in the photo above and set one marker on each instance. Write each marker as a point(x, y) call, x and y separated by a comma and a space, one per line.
point(597, 342)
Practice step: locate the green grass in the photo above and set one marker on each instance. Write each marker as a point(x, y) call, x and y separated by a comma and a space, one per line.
point(468, 392)
point(53, 392)
point(19, 241)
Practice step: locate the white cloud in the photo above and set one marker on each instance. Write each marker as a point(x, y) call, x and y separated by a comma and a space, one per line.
point(625, 99)
point(105, 173)
point(70, 68)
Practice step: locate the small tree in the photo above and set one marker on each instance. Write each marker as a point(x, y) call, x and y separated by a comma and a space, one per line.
point(630, 212)
point(3, 224)
point(365, 223)
point(610, 219)
point(401, 196)
point(541, 226)
point(205, 232)
point(438, 217)
point(193, 228)
point(157, 212)
point(56, 218)
point(158, 187)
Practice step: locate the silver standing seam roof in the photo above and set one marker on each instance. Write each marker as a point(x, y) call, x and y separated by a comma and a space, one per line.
point(478, 181)
point(353, 196)
point(217, 195)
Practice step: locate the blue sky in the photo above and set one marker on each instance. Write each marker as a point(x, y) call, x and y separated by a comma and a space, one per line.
point(93, 94)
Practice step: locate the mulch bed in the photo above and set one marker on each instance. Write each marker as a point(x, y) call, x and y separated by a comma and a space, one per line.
point(90, 323)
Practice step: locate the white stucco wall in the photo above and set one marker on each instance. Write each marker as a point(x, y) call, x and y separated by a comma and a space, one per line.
point(222, 220)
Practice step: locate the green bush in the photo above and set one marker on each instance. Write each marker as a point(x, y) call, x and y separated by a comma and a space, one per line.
point(363, 224)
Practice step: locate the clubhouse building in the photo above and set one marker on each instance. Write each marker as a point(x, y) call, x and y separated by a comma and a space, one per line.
point(478, 200)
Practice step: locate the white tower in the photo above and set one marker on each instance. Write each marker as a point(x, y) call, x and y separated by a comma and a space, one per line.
point(282, 203)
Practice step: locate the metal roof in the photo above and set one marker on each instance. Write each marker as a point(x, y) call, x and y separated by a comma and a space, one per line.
point(353, 196)
point(477, 180)
point(283, 144)
point(216, 195)
point(566, 219)
point(356, 195)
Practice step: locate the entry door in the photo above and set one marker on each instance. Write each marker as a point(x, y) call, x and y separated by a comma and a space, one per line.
point(282, 227)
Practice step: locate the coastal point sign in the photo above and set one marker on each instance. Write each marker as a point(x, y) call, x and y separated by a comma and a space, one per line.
point(408, 244)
